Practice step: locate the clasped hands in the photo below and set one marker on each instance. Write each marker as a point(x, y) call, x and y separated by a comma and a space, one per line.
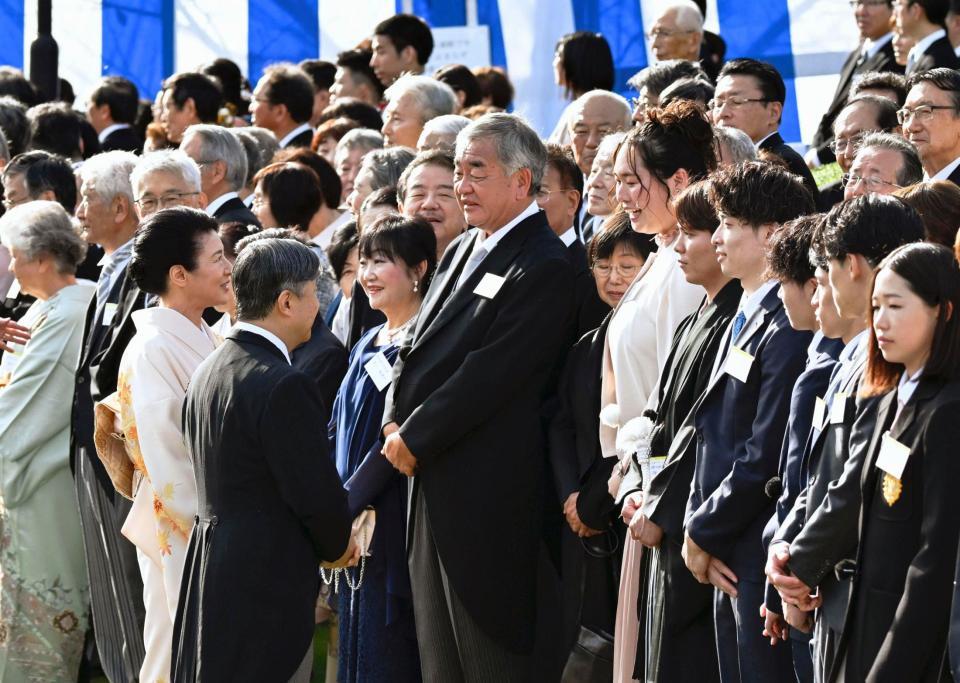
point(641, 528)
point(396, 451)
point(793, 592)
point(708, 569)
point(350, 557)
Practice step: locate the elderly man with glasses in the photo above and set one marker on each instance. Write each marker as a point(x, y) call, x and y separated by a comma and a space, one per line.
point(931, 122)
point(165, 179)
point(884, 163)
point(677, 32)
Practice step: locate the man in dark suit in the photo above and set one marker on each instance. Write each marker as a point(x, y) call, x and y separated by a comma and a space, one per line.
point(559, 197)
point(188, 98)
point(271, 505)
point(223, 171)
point(107, 217)
point(466, 397)
point(283, 104)
point(750, 96)
point(931, 122)
point(112, 109)
point(923, 22)
point(875, 53)
point(741, 421)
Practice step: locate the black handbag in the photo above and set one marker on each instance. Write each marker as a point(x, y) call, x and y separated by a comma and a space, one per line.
point(591, 660)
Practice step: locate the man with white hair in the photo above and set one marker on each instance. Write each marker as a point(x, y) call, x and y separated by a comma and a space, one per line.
point(350, 152)
point(502, 299)
point(164, 179)
point(677, 31)
point(733, 146)
point(108, 217)
point(441, 132)
point(223, 171)
point(411, 102)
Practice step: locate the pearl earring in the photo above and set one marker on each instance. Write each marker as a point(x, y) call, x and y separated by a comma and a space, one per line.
point(416, 285)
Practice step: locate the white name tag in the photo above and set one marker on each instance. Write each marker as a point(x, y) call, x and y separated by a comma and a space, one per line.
point(380, 371)
point(14, 289)
point(838, 409)
point(893, 456)
point(819, 412)
point(656, 464)
point(489, 285)
point(738, 364)
point(109, 310)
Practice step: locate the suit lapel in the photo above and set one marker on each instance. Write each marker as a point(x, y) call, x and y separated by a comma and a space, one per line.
point(885, 413)
point(440, 289)
point(772, 142)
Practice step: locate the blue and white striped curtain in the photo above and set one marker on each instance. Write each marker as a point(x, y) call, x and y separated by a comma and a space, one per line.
point(147, 40)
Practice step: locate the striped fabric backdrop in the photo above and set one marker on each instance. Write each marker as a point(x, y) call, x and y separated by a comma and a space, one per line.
point(147, 40)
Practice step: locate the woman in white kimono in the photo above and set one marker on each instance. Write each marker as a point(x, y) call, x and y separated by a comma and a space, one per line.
point(43, 599)
point(178, 256)
point(656, 160)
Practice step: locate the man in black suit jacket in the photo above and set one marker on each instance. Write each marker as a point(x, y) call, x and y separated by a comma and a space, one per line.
point(466, 397)
point(750, 95)
point(112, 109)
point(283, 103)
point(931, 122)
point(223, 171)
point(922, 21)
point(875, 53)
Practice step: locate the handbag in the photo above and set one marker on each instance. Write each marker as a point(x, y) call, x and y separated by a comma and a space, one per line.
point(591, 660)
point(111, 445)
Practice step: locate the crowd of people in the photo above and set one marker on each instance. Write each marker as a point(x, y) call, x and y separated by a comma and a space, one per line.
point(656, 399)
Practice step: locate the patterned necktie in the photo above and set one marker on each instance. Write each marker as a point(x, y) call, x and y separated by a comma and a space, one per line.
point(103, 282)
point(587, 231)
point(738, 324)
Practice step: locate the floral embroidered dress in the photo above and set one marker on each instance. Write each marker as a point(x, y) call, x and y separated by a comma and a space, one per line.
point(44, 594)
point(154, 373)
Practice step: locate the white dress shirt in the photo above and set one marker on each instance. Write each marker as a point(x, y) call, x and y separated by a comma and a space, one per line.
point(322, 238)
point(266, 334)
point(293, 133)
point(569, 237)
point(872, 47)
point(918, 50)
point(944, 172)
point(220, 201)
point(105, 133)
point(488, 244)
point(122, 256)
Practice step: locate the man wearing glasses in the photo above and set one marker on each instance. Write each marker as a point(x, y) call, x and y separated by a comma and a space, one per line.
point(874, 53)
point(931, 121)
point(677, 32)
point(923, 21)
point(750, 95)
point(884, 163)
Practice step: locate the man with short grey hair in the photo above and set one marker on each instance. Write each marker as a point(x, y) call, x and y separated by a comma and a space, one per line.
point(677, 31)
point(260, 145)
point(350, 152)
point(223, 171)
point(164, 179)
point(412, 101)
point(466, 397)
point(734, 146)
point(441, 133)
point(884, 163)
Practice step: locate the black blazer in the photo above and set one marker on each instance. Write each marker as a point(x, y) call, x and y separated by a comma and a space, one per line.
point(590, 307)
point(324, 360)
point(125, 139)
point(302, 140)
point(896, 627)
point(940, 53)
point(234, 210)
point(467, 393)
point(853, 68)
point(270, 508)
point(795, 163)
point(96, 374)
point(955, 176)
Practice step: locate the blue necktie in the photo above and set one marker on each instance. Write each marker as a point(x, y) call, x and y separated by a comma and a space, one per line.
point(738, 324)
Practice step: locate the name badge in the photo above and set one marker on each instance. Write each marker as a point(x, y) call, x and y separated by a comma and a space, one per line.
point(738, 364)
point(109, 310)
point(893, 456)
point(14, 290)
point(838, 409)
point(656, 465)
point(819, 412)
point(489, 285)
point(380, 371)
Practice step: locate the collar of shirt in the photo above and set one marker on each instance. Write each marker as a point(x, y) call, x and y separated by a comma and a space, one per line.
point(105, 133)
point(322, 238)
point(248, 201)
point(220, 201)
point(853, 347)
point(750, 304)
point(266, 334)
point(293, 133)
point(491, 241)
point(906, 387)
point(122, 253)
point(872, 47)
point(569, 237)
point(945, 172)
point(921, 47)
point(813, 350)
point(764, 138)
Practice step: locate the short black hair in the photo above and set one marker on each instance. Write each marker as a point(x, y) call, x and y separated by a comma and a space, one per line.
point(880, 80)
point(357, 62)
point(587, 62)
point(321, 73)
point(871, 225)
point(759, 192)
point(363, 113)
point(290, 87)
point(232, 233)
point(202, 89)
point(16, 85)
point(616, 231)
point(55, 127)
point(13, 122)
point(938, 203)
point(561, 160)
point(401, 239)
point(167, 238)
point(408, 30)
point(936, 10)
point(267, 267)
point(43, 171)
point(884, 110)
point(330, 184)
point(768, 79)
point(121, 97)
point(88, 136)
point(788, 255)
point(695, 211)
point(461, 79)
point(293, 191)
point(942, 78)
point(697, 90)
point(231, 80)
point(495, 84)
point(344, 240)
point(658, 77)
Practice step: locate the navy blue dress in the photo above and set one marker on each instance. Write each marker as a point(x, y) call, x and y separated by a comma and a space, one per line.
point(377, 636)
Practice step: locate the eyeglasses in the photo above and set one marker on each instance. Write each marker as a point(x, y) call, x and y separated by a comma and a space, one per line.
point(543, 194)
point(151, 203)
point(852, 143)
point(718, 103)
point(873, 183)
point(665, 33)
point(627, 272)
point(922, 113)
